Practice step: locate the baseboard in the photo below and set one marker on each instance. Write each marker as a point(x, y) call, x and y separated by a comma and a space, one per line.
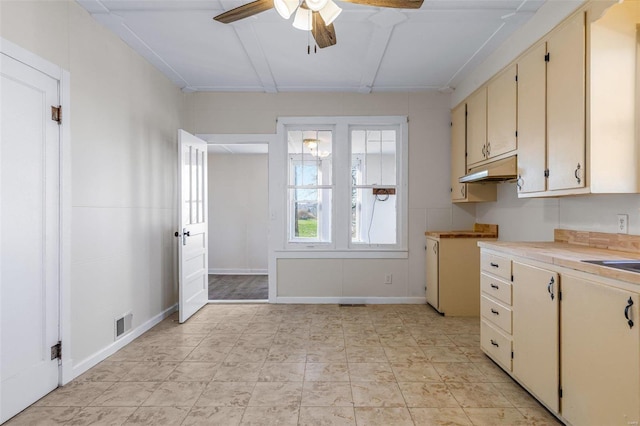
point(355, 300)
point(103, 354)
point(240, 301)
point(222, 271)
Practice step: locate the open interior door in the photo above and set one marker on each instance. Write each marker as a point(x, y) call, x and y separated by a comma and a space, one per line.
point(192, 234)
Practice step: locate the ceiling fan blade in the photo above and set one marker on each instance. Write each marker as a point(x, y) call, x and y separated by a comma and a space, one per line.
point(244, 11)
point(397, 4)
point(325, 35)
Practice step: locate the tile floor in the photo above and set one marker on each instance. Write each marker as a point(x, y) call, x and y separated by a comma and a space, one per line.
point(296, 365)
point(238, 287)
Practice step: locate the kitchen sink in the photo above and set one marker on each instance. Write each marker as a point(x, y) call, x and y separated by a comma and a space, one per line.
point(625, 265)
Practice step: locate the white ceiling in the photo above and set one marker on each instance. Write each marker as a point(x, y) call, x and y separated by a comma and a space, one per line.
point(378, 49)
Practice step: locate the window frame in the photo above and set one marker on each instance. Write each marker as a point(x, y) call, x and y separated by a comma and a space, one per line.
point(341, 244)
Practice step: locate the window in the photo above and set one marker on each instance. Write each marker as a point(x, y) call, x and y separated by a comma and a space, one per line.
point(345, 183)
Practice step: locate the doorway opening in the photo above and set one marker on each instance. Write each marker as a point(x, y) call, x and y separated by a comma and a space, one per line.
point(238, 222)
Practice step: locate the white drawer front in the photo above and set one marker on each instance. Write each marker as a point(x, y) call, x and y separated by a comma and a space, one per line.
point(497, 288)
point(495, 344)
point(496, 265)
point(496, 313)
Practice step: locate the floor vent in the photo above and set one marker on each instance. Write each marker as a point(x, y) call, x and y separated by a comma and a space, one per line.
point(123, 325)
point(352, 305)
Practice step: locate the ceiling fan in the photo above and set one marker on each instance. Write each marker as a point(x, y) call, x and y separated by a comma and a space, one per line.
point(316, 16)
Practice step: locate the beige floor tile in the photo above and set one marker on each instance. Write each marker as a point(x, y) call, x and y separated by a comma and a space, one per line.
point(371, 372)
point(175, 394)
point(241, 354)
point(126, 394)
point(276, 394)
point(377, 394)
point(495, 416)
point(150, 371)
point(217, 339)
point(405, 354)
point(107, 371)
point(320, 353)
point(326, 372)
point(282, 372)
point(284, 353)
point(255, 340)
point(226, 394)
point(44, 416)
point(270, 416)
point(324, 394)
point(363, 339)
point(516, 395)
point(383, 417)
point(431, 339)
point(193, 372)
point(209, 354)
point(327, 416)
point(232, 326)
point(152, 354)
point(75, 394)
point(214, 416)
point(104, 416)
point(427, 395)
point(440, 417)
point(171, 339)
point(469, 340)
point(238, 372)
point(460, 372)
point(397, 340)
point(539, 416)
point(366, 354)
point(493, 373)
point(154, 416)
point(415, 372)
point(478, 395)
point(444, 354)
point(263, 327)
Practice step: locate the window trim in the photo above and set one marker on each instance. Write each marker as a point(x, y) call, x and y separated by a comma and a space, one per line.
point(341, 184)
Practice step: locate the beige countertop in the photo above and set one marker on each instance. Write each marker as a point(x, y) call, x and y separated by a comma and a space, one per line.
point(569, 256)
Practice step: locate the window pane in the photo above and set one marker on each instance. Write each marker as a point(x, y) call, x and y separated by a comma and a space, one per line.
point(374, 151)
point(310, 215)
point(373, 217)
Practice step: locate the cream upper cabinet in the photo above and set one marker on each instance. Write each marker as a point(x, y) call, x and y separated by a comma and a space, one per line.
point(600, 354)
point(566, 105)
point(532, 101)
point(501, 113)
point(477, 127)
point(458, 153)
point(535, 331)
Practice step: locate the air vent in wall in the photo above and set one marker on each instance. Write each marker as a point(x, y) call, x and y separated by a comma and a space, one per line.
point(123, 325)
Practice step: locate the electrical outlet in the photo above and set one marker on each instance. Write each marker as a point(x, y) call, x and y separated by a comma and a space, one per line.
point(623, 224)
point(388, 278)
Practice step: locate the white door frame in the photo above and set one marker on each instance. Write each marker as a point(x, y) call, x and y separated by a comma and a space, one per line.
point(270, 140)
point(65, 374)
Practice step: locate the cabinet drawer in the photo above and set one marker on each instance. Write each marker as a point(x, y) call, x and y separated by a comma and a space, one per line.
point(496, 288)
point(495, 344)
point(496, 265)
point(496, 313)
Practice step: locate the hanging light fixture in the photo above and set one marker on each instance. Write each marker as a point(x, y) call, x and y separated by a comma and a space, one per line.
point(316, 5)
point(330, 12)
point(302, 20)
point(286, 7)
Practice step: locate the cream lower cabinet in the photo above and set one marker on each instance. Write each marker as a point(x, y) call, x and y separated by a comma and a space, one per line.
point(535, 331)
point(600, 354)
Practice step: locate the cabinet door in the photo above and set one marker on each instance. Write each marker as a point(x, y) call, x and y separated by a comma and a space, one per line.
point(600, 354)
point(535, 331)
point(532, 143)
point(501, 113)
point(566, 105)
point(458, 153)
point(432, 272)
point(477, 126)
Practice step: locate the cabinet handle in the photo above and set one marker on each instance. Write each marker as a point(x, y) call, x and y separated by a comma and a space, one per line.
point(494, 343)
point(435, 248)
point(495, 265)
point(550, 288)
point(484, 151)
point(462, 190)
point(520, 182)
point(488, 149)
point(494, 312)
point(575, 173)
point(626, 312)
point(494, 286)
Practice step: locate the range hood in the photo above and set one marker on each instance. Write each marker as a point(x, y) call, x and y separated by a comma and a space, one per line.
point(496, 171)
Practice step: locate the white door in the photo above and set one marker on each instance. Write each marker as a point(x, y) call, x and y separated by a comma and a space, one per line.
point(29, 235)
point(193, 232)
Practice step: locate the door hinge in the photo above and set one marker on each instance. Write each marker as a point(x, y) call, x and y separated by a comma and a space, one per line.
point(546, 173)
point(56, 351)
point(547, 57)
point(516, 78)
point(511, 277)
point(560, 392)
point(56, 113)
point(516, 133)
point(559, 295)
point(511, 354)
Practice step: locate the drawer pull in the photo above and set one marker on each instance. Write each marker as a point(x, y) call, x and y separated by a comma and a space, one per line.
point(494, 343)
point(494, 312)
point(626, 312)
point(550, 288)
point(495, 265)
point(495, 286)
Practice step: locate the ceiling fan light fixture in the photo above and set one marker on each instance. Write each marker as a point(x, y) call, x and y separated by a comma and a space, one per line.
point(316, 5)
point(330, 12)
point(302, 20)
point(285, 8)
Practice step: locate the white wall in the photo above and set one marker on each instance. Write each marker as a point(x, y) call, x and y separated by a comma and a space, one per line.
point(124, 117)
point(238, 213)
point(429, 158)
